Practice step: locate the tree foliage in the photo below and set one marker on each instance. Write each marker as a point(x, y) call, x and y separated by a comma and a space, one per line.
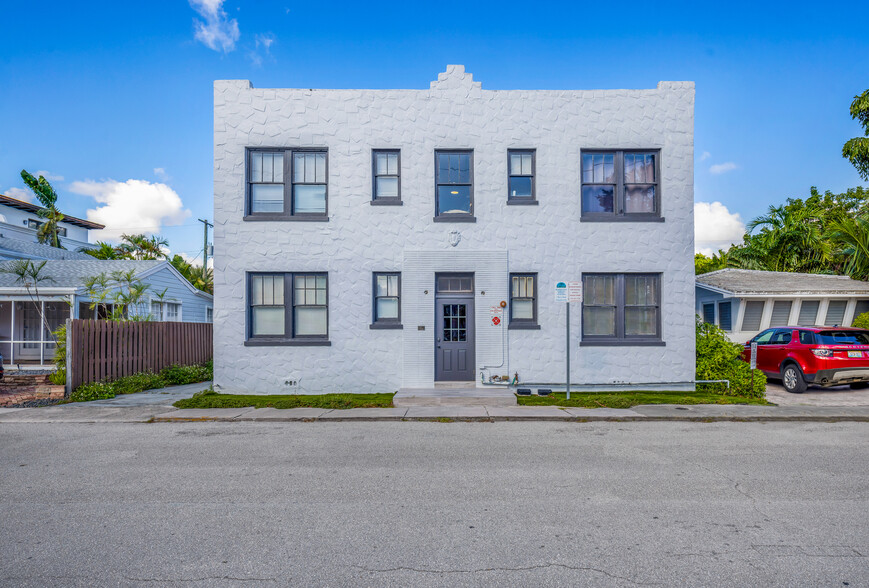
point(856, 150)
point(119, 295)
point(825, 233)
point(193, 274)
point(47, 197)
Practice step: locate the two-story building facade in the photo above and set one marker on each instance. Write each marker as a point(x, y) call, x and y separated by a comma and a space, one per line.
point(371, 240)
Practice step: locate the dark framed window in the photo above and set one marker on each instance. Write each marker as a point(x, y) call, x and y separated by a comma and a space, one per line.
point(386, 171)
point(621, 185)
point(521, 171)
point(621, 309)
point(287, 184)
point(523, 301)
point(35, 224)
point(288, 309)
point(725, 316)
point(454, 186)
point(709, 313)
point(387, 300)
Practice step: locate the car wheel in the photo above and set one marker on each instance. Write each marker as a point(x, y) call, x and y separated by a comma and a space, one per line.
point(792, 379)
point(859, 385)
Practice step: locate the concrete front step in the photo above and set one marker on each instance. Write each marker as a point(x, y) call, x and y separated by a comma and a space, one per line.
point(454, 396)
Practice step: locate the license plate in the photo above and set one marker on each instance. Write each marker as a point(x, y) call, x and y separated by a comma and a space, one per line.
point(855, 354)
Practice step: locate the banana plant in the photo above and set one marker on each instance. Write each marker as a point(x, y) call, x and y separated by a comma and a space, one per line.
point(47, 197)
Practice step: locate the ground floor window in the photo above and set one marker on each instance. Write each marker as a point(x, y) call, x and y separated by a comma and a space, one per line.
point(523, 301)
point(621, 308)
point(709, 313)
point(387, 300)
point(288, 307)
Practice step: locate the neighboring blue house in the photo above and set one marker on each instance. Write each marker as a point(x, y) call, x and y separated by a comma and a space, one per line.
point(24, 340)
point(746, 302)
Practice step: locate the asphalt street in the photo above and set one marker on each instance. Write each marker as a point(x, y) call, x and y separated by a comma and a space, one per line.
point(434, 504)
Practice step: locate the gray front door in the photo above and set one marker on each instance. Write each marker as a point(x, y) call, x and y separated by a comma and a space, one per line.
point(454, 329)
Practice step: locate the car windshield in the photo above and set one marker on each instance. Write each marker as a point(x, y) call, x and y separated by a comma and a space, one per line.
point(842, 338)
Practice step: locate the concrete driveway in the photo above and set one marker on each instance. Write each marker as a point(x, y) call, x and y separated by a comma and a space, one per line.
point(156, 397)
point(816, 396)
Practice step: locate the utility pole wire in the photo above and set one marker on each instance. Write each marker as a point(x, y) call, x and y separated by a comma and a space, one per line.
point(205, 225)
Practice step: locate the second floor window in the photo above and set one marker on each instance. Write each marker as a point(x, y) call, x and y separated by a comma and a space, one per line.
point(303, 196)
point(387, 176)
point(620, 185)
point(520, 183)
point(454, 177)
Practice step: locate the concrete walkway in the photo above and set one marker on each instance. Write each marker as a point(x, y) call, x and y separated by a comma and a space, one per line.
point(92, 412)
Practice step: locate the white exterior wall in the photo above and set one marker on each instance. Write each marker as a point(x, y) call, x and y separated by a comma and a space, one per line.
point(13, 222)
point(360, 239)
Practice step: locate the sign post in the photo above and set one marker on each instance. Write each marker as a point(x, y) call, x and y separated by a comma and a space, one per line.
point(753, 363)
point(568, 292)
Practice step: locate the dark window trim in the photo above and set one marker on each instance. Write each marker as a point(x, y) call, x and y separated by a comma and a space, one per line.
point(520, 200)
point(524, 323)
point(619, 214)
point(390, 200)
point(289, 338)
point(620, 338)
point(287, 214)
point(379, 323)
point(454, 218)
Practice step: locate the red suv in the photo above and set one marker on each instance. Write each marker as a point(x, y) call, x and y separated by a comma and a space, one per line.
point(823, 356)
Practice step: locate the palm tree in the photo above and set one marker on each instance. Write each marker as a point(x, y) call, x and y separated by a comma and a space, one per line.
point(47, 197)
point(29, 275)
point(194, 274)
point(141, 247)
point(791, 239)
point(852, 235)
point(102, 251)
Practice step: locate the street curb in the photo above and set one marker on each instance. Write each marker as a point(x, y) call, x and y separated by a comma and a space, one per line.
point(567, 419)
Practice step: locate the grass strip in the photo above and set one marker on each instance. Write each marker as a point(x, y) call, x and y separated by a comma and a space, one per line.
point(339, 401)
point(629, 399)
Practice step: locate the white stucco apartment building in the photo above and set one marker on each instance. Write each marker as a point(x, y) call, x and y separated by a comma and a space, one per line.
point(363, 237)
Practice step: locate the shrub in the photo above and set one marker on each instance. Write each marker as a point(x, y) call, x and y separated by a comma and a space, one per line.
point(718, 359)
point(138, 383)
point(175, 375)
point(58, 377)
point(861, 321)
point(92, 391)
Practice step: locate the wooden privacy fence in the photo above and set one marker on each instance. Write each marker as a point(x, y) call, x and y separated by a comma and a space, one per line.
point(108, 350)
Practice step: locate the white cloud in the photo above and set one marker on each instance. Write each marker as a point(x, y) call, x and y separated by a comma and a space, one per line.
point(134, 206)
point(705, 155)
point(262, 49)
point(161, 174)
point(48, 176)
point(19, 194)
point(218, 31)
point(715, 227)
point(722, 168)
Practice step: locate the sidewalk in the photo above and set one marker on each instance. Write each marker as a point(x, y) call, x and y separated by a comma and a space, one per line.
point(94, 413)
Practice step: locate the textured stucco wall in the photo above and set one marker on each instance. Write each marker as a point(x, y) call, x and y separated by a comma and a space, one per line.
point(359, 238)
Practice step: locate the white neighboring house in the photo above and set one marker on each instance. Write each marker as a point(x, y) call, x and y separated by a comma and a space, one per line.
point(25, 341)
point(746, 302)
point(19, 220)
point(369, 240)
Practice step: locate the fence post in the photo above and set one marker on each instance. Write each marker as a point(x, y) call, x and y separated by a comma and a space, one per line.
point(68, 385)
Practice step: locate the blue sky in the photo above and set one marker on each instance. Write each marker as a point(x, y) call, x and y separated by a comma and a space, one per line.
point(115, 99)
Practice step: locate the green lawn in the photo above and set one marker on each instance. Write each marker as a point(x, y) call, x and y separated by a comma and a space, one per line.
point(629, 399)
point(213, 400)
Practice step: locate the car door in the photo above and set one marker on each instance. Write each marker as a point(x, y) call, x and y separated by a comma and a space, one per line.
point(763, 340)
point(777, 349)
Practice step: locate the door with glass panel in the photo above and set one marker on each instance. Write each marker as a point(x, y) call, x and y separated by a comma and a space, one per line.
point(454, 328)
